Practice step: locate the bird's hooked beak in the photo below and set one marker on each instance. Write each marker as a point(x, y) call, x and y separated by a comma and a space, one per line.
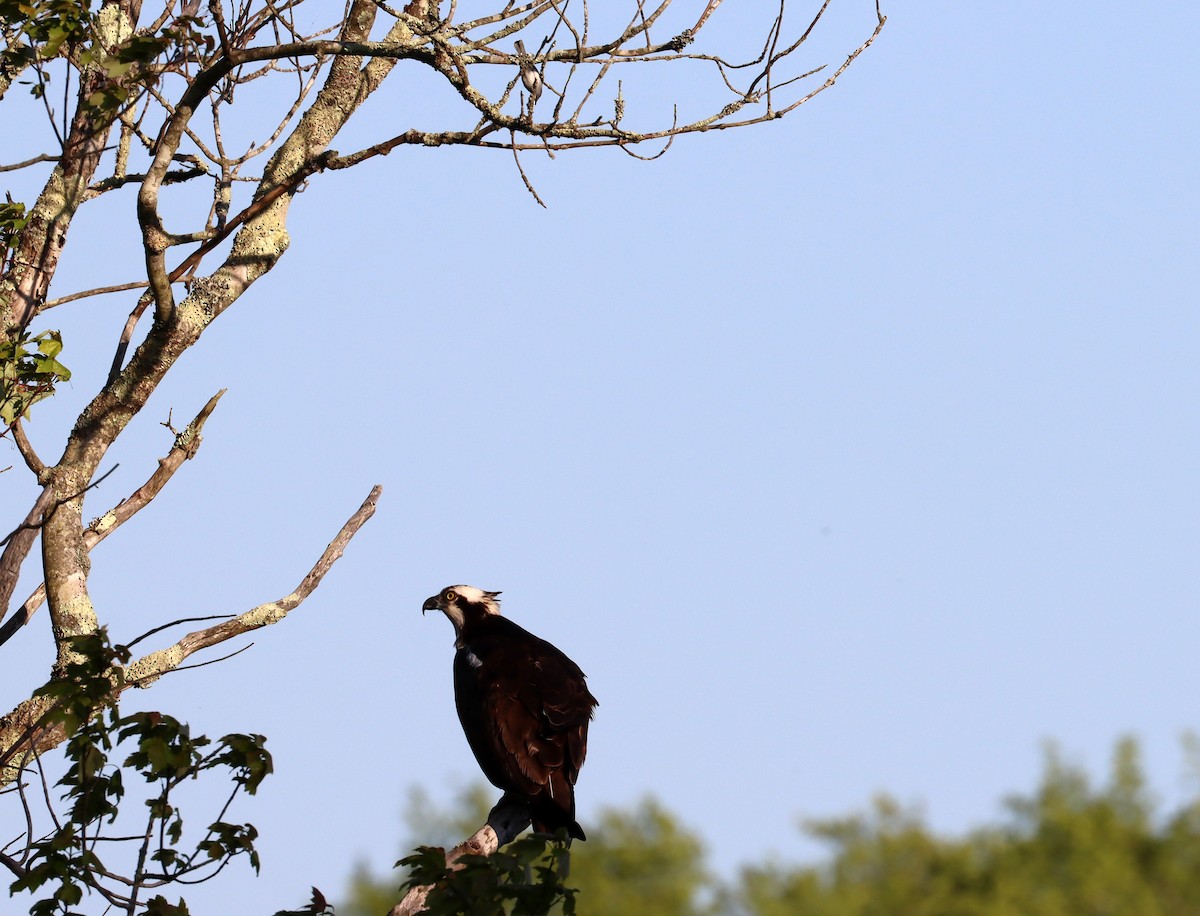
point(433, 603)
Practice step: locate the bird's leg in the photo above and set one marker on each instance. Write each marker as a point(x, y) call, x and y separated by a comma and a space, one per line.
point(508, 818)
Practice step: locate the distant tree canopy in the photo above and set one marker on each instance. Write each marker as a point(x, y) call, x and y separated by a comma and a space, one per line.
point(1069, 848)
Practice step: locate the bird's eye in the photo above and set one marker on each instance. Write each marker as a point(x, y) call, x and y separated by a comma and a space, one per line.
point(449, 595)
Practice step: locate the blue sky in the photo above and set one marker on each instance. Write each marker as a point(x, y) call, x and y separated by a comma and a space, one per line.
point(855, 452)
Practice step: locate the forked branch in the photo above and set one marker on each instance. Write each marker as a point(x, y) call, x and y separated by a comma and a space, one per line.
point(185, 446)
point(20, 736)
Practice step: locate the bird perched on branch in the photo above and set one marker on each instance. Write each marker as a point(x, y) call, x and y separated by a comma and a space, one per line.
point(523, 705)
point(530, 78)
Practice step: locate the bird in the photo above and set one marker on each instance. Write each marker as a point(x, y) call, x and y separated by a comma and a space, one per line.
point(530, 78)
point(524, 706)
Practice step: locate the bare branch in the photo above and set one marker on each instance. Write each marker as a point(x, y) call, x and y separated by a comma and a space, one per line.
point(150, 668)
point(259, 206)
point(54, 504)
point(98, 291)
point(119, 181)
point(17, 549)
point(28, 162)
point(708, 11)
point(12, 865)
point(174, 623)
point(25, 447)
point(185, 446)
point(213, 661)
point(127, 334)
point(525, 178)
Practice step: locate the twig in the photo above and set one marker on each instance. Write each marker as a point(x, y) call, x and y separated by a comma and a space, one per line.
point(212, 661)
point(99, 291)
point(525, 178)
point(127, 334)
point(28, 162)
point(175, 623)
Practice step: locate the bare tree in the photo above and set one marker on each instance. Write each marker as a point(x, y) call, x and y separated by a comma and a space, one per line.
point(147, 107)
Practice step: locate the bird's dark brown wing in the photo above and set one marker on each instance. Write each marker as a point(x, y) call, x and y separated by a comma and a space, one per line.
point(536, 709)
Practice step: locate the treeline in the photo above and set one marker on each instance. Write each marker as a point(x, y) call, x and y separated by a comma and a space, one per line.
point(1069, 848)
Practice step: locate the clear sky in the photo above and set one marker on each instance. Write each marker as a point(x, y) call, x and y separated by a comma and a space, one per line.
point(855, 452)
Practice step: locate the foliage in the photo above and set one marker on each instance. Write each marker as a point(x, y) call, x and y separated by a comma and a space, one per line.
point(29, 370)
point(38, 32)
point(38, 29)
point(318, 907)
point(1066, 849)
point(162, 751)
point(12, 220)
point(525, 878)
point(502, 883)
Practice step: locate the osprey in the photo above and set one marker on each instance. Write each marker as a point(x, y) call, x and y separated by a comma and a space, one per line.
point(523, 705)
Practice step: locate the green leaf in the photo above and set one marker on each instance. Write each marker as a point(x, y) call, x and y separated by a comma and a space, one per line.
point(158, 906)
point(50, 344)
point(69, 893)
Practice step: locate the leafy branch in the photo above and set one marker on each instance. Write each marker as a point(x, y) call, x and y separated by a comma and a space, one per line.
point(165, 755)
point(29, 371)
